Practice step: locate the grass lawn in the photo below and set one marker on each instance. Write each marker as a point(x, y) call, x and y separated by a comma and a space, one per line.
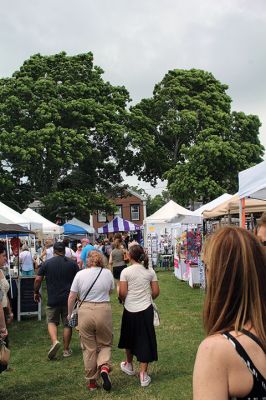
point(180, 332)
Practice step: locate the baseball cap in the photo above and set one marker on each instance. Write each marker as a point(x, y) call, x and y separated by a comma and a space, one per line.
point(85, 240)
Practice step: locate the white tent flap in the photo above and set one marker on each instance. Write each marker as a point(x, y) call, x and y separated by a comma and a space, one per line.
point(196, 216)
point(48, 227)
point(252, 182)
point(10, 216)
point(232, 206)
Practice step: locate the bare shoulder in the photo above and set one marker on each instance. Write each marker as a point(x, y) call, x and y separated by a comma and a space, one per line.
point(210, 370)
point(214, 347)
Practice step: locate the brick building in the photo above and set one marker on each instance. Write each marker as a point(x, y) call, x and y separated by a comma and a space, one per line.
point(131, 206)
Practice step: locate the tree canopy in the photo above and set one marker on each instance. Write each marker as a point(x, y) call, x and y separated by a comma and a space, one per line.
point(66, 135)
point(186, 133)
point(62, 133)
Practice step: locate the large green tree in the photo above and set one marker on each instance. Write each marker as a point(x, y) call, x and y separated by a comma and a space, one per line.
point(186, 133)
point(61, 133)
point(184, 103)
point(212, 164)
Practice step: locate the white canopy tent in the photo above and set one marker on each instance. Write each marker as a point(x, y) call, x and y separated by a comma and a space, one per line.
point(160, 222)
point(252, 184)
point(166, 213)
point(195, 217)
point(231, 206)
point(77, 222)
point(10, 216)
point(48, 227)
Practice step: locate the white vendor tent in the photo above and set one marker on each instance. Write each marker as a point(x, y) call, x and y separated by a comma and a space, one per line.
point(196, 217)
point(48, 227)
point(75, 221)
point(10, 216)
point(252, 184)
point(160, 223)
point(166, 213)
point(231, 206)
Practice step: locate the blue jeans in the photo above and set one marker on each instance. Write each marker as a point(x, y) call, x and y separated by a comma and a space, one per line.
point(27, 273)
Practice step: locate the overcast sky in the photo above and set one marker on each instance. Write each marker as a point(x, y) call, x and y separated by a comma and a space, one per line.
point(137, 42)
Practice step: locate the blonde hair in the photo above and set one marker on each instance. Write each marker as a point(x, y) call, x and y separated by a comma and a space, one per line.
point(236, 282)
point(96, 259)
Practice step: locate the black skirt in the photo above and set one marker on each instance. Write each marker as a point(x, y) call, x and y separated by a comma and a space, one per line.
point(117, 271)
point(138, 335)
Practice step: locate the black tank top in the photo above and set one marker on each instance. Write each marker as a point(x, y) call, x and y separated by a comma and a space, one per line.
point(258, 391)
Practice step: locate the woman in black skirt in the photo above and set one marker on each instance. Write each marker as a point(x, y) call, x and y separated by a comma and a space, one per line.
point(138, 286)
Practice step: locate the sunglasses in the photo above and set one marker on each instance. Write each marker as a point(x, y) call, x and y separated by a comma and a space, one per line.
point(263, 243)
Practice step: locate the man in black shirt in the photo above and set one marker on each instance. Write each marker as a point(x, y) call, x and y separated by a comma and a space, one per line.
point(59, 272)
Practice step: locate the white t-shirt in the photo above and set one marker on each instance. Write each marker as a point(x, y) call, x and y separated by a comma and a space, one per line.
point(4, 287)
point(139, 280)
point(100, 290)
point(26, 260)
point(70, 253)
point(49, 253)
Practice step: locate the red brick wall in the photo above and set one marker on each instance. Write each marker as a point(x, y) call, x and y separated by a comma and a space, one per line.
point(125, 202)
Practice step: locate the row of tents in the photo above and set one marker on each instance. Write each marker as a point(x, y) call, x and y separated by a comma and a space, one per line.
point(249, 199)
point(35, 222)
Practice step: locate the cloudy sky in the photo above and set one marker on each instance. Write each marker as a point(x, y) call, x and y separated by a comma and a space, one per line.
point(136, 42)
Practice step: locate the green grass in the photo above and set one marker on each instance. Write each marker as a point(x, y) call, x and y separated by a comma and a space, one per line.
point(180, 332)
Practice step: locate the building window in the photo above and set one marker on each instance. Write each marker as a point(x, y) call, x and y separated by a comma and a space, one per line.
point(118, 212)
point(134, 211)
point(101, 216)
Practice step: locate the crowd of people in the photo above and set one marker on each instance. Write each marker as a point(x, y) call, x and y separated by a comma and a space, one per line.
point(231, 360)
point(91, 281)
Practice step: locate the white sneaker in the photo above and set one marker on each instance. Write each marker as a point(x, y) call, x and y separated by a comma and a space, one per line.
point(145, 379)
point(127, 368)
point(67, 353)
point(53, 350)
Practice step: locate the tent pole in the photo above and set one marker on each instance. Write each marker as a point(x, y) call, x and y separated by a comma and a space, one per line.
point(229, 218)
point(242, 213)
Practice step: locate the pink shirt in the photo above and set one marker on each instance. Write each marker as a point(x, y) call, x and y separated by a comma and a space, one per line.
point(78, 253)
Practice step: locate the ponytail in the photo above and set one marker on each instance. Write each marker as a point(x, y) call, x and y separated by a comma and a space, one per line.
point(146, 261)
point(138, 254)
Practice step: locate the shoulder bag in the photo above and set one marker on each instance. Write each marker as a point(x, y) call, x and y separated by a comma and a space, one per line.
point(156, 316)
point(126, 256)
point(4, 353)
point(73, 321)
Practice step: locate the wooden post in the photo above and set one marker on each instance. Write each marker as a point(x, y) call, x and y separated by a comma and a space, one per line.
point(243, 214)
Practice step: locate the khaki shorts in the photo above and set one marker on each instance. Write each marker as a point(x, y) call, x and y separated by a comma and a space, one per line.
point(53, 315)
